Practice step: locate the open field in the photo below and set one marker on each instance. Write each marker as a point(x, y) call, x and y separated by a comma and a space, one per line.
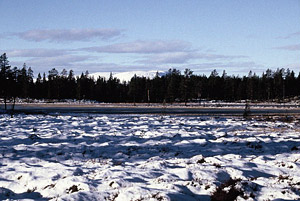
point(147, 157)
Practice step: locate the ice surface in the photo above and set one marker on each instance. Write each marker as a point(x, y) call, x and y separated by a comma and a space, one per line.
point(145, 157)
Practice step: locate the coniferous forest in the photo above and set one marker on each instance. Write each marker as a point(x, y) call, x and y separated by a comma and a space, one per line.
point(174, 86)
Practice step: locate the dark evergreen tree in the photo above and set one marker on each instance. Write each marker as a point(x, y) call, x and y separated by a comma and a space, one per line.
point(173, 79)
point(174, 86)
point(5, 73)
point(186, 86)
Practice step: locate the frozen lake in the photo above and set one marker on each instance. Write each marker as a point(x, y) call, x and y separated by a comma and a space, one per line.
point(146, 157)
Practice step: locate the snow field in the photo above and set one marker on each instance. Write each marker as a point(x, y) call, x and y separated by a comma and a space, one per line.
point(146, 157)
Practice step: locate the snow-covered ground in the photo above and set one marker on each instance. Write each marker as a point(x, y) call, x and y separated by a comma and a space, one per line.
point(146, 157)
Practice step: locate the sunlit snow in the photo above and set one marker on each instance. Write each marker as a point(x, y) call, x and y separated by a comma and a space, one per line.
point(126, 76)
point(146, 157)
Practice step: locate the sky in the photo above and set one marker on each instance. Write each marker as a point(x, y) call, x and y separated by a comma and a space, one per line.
point(129, 35)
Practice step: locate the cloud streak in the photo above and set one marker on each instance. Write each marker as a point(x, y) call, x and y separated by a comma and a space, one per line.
point(36, 52)
point(290, 35)
point(107, 67)
point(142, 47)
point(184, 57)
point(289, 47)
point(143, 55)
point(168, 58)
point(44, 64)
point(68, 35)
point(62, 60)
point(231, 67)
point(159, 51)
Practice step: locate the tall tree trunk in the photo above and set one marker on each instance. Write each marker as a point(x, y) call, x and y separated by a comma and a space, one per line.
point(148, 97)
point(14, 103)
point(5, 106)
point(13, 108)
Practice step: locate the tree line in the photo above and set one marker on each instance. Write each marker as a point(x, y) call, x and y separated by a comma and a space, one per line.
point(174, 86)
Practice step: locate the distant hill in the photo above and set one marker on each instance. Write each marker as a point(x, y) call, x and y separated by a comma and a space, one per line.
point(126, 76)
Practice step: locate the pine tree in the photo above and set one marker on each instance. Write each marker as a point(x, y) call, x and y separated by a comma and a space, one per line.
point(5, 73)
point(185, 85)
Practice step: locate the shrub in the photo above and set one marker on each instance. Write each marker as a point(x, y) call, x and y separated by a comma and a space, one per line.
point(227, 191)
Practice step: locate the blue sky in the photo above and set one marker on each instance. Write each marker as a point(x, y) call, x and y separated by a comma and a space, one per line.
point(128, 35)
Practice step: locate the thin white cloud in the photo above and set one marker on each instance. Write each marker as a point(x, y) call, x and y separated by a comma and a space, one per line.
point(290, 35)
point(142, 47)
point(107, 67)
point(289, 47)
point(78, 64)
point(154, 55)
point(223, 65)
point(168, 58)
point(241, 68)
point(293, 66)
point(184, 57)
point(35, 52)
point(218, 56)
point(159, 52)
point(65, 35)
point(232, 67)
point(63, 60)
point(44, 64)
